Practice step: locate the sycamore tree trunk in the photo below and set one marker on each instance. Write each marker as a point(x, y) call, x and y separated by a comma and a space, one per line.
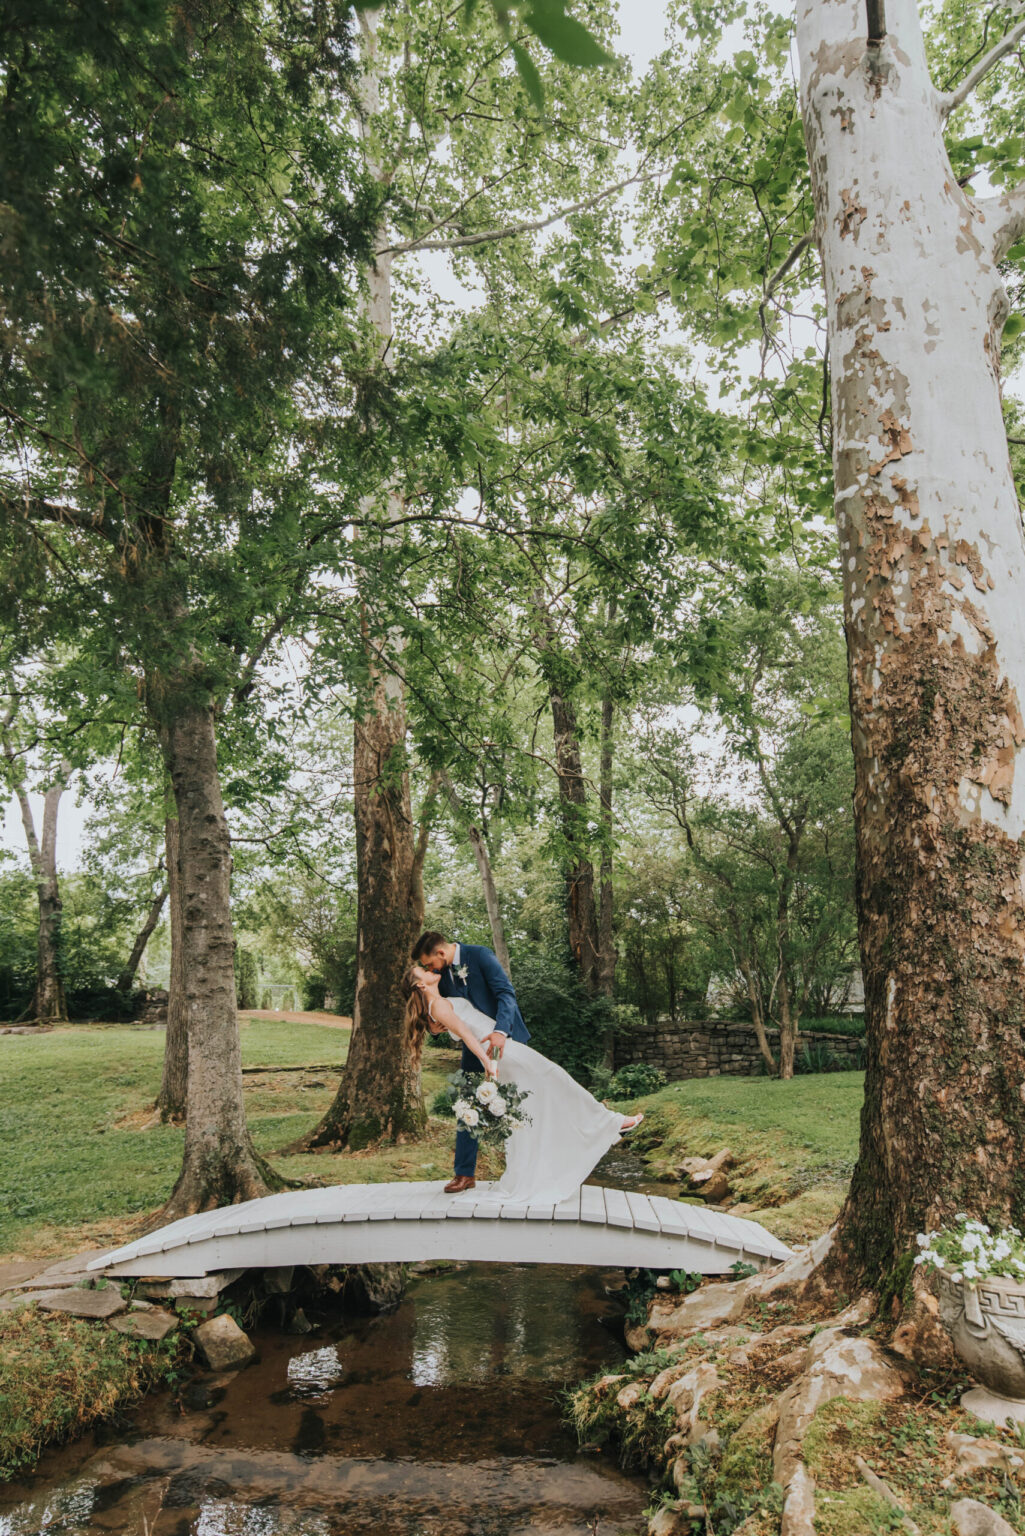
point(934, 570)
point(142, 938)
point(220, 1164)
point(171, 1099)
point(475, 837)
point(380, 1094)
point(49, 1005)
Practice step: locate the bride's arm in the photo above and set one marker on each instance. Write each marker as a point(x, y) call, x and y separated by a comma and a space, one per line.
point(444, 1014)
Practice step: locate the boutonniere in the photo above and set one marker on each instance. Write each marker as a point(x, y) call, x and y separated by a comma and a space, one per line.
point(461, 972)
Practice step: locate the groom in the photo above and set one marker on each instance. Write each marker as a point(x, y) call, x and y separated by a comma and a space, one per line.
point(473, 972)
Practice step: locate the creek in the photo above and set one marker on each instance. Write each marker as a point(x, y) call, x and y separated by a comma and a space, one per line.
point(441, 1418)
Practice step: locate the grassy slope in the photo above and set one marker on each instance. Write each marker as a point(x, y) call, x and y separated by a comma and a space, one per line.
point(80, 1156)
point(79, 1152)
point(795, 1143)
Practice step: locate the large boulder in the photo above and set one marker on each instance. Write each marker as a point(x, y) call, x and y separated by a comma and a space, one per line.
point(374, 1287)
point(838, 1366)
point(223, 1344)
point(154, 1324)
point(970, 1518)
point(706, 1176)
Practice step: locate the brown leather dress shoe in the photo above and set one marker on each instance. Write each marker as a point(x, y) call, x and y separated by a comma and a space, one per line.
point(459, 1183)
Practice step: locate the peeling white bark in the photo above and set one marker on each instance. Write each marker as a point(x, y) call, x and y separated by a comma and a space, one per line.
point(916, 304)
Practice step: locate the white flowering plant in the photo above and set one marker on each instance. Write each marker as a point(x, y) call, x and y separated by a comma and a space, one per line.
point(967, 1250)
point(488, 1110)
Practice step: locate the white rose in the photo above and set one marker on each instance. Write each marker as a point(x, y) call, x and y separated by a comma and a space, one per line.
point(485, 1093)
point(469, 1116)
point(497, 1105)
point(460, 1107)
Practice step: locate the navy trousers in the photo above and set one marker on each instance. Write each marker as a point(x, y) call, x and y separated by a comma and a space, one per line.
point(466, 1145)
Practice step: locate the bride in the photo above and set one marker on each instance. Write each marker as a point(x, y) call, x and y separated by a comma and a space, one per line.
point(549, 1159)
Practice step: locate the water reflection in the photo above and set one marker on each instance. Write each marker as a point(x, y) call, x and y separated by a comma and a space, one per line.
point(315, 1372)
point(442, 1419)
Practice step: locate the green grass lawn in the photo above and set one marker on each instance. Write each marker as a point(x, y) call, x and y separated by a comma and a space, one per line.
point(795, 1143)
point(79, 1154)
point(81, 1159)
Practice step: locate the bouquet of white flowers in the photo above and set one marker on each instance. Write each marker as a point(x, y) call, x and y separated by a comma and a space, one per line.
point(488, 1111)
point(967, 1250)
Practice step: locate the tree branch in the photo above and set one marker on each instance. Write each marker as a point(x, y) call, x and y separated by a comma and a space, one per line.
point(49, 512)
point(528, 226)
point(1005, 220)
point(950, 100)
point(797, 250)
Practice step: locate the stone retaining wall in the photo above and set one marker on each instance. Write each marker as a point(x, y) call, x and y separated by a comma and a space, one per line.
point(715, 1048)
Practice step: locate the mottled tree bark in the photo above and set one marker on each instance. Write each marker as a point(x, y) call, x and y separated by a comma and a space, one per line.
point(934, 569)
point(142, 938)
point(172, 1097)
point(380, 1094)
point(220, 1164)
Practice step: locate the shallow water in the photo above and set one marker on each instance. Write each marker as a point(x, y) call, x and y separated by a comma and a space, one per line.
point(440, 1419)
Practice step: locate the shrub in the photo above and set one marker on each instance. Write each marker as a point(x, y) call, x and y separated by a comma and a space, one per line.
point(637, 1078)
point(822, 1058)
point(441, 1104)
point(568, 1026)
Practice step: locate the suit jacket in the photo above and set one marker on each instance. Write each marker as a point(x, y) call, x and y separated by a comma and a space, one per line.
point(488, 989)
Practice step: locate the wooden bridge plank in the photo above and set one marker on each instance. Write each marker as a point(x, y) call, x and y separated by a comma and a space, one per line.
point(617, 1208)
point(569, 1209)
point(645, 1217)
point(383, 1223)
point(592, 1203)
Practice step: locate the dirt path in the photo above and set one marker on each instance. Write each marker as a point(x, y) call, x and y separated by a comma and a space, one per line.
point(285, 1016)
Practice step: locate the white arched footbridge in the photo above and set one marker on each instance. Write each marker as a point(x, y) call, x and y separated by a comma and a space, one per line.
point(381, 1223)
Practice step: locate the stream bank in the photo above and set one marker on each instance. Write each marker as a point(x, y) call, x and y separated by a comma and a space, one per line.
point(444, 1417)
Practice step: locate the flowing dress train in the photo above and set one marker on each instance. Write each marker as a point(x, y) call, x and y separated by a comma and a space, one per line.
point(569, 1130)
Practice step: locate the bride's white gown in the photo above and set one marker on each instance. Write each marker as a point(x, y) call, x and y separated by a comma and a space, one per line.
point(569, 1131)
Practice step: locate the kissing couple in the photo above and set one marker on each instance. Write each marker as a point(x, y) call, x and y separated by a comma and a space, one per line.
point(463, 989)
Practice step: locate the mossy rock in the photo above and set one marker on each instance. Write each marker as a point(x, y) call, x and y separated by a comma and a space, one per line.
point(854, 1512)
point(841, 1430)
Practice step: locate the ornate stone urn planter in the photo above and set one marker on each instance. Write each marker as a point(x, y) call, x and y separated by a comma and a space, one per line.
point(986, 1322)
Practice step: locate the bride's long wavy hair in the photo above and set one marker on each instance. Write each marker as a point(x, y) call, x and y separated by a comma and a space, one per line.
point(416, 1017)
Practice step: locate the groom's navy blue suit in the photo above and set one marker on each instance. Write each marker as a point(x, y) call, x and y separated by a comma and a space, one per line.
point(489, 989)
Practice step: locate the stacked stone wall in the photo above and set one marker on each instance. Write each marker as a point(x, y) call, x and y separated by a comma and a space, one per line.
point(716, 1048)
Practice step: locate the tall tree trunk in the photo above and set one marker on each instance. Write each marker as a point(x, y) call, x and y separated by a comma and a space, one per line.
point(789, 1018)
point(220, 1165)
point(475, 837)
point(754, 997)
point(142, 938)
point(380, 1094)
point(171, 1099)
point(581, 912)
point(49, 1005)
point(934, 567)
point(605, 969)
